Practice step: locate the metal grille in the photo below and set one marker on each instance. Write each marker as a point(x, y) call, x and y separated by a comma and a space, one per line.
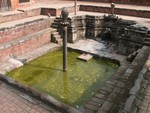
point(5, 5)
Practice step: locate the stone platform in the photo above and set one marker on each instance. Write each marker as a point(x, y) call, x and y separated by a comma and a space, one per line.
point(54, 8)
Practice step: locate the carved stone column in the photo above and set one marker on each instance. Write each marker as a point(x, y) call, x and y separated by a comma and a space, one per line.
point(93, 26)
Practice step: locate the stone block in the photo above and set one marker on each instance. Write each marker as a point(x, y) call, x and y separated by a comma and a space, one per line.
point(112, 97)
point(106, 106)
point(91, 107)
point(129, 104)
point(138, 102)
point(95, 99)
point(136, 88)
point(107, 89)
point(128, 72)
point(121, 84)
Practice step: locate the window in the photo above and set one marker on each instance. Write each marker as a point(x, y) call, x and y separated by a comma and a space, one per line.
point(24, 1)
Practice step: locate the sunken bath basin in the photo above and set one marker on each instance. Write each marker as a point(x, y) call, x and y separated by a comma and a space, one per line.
point(73, 87)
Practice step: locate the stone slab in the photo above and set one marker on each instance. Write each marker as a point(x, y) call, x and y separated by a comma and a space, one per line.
point(85, 57)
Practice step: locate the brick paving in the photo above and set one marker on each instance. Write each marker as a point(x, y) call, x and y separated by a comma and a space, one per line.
point(12, 101)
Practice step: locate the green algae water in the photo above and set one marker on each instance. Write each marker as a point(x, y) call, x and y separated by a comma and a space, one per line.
point(73, 87)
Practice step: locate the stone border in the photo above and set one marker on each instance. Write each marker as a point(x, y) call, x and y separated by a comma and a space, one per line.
point(125, 82)
point(132, 102)
point(134, 99)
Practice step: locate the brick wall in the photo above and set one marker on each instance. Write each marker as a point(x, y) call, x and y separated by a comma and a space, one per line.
point(8, 34)
point(19, 15)
point(129, 12)
point(56, 12)
point(138, 2)
point(26, 46)
point(15, 4)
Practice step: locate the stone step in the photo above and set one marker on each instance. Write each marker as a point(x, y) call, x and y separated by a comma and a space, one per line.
point(19, 28)
point(134, 2)
point(57, 36)
point(56, 23)
point(146, 43)
point(118, 10)
point(56, 39)
point(59, 41)
point(54, 26)
point(20, 14)
point(55, 33)
point(24, 44)
point(147, 39)
point(148, 35)
point(91, 107)
point(58, 19)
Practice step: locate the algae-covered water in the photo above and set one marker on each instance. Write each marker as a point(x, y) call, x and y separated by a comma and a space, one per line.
point(73, 87)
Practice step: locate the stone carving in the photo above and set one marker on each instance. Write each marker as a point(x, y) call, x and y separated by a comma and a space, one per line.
point(112, 8)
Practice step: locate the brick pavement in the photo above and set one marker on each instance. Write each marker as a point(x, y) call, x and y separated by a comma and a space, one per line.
point(12, 101)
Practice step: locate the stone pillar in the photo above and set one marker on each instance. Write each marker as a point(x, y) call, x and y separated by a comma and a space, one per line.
point(14, 4)
point(72, 32)
point(93, 26)
point(80, 25)
point(76, 28)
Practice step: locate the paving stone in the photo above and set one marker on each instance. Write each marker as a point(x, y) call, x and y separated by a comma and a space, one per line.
point(128, 72)
point(135, 110)
point(91, 107)
point(107, 89)
point(104, 92)
point(114, 81)
point(121, 84)
point(112, 97)
point(82, 110)
point(109, 86)
point(100, 101)
point(106, 106)
point(94, 103)
point(117, 90)
point(111, 82)
point(101, 96)
point(138, 102)
point(102, 112)
point(129, 103)
point(89, 111)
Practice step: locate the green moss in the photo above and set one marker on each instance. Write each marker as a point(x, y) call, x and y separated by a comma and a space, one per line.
point(75, 86)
